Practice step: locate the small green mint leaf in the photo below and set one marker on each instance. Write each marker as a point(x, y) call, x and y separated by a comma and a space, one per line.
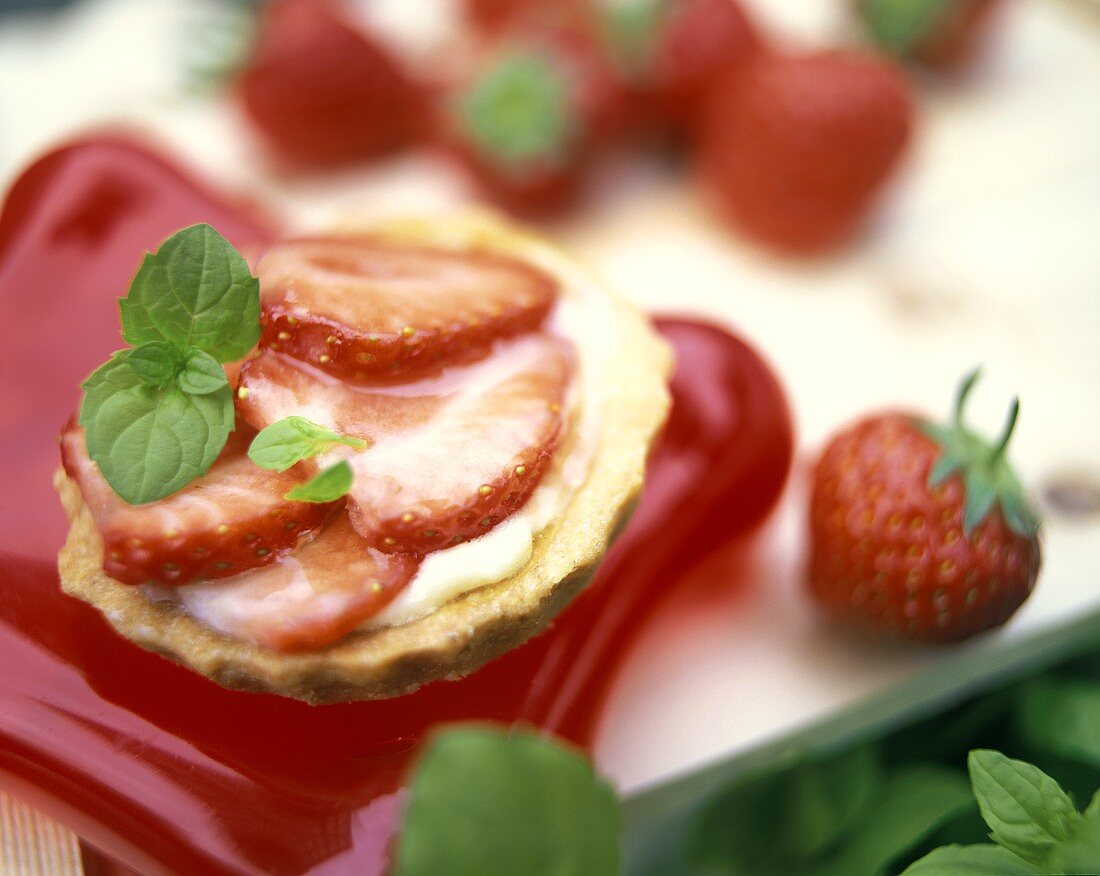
point(150, 442)
point(201, 374)
point(1027, 811)
point(195, 291)
point(290, 440)
point(156, 362)
point(980, 860)
point(328, 486)
point(483, 801)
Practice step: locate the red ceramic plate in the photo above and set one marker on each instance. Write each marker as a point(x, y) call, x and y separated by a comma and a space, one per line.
point(163, 770)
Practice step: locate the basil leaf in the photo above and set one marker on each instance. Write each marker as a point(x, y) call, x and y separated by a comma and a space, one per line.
point(898, 25)
point(1027, 811)
point(914, 803)
point(201, 373)
point(981, 860)
point(155, 362)
point(150, 442)
point(328, 486)
point(195, 291)
point(290, 440)
point(1062, 718)
point(483, 802)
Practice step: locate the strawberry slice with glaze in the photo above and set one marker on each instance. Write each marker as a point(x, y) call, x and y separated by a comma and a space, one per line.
point(450, 456)
point(310, 599)
point(232, 519)
point(361, 308)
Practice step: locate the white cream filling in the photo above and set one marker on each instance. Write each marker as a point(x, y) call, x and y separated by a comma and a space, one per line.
point(584, 315)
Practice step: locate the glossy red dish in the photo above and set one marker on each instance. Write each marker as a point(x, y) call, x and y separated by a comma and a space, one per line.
point(160, 768)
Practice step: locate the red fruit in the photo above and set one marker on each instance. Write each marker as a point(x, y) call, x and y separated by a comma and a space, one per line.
point(795, 147)
point(323, 91)
point(232, 519)
point(449, 457)
point(495, 15)
point(945, 36)
point(525, 111)
point(315, 598)
point(921, 530)
point(363, 308)
point(676, 50)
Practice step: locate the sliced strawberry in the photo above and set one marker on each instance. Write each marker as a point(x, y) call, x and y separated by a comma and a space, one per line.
point(360, 307)
point(450, 456)
point(308, 600)
point(232, 519)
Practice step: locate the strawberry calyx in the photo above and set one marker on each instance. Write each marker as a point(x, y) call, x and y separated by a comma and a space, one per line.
point(989, 480)
point(900, 25)
point(630, 29)
point(518, 112)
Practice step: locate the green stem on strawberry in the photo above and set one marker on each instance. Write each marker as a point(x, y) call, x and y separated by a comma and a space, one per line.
point(518, 113)
point(988, 478)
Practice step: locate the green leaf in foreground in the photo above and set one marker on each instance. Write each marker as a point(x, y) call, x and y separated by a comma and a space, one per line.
point(195, 291)
point(155, 363)
point(201, 373)
point(292, 439)
point(150, 441)
point(981, 860)
point(1062, 717)
point(327, 486)
point(484, 802)
point(1027, 811)
point(781, 821)
point(915, 801)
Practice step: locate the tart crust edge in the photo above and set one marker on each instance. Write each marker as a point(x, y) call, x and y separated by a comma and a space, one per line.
point(464, 633)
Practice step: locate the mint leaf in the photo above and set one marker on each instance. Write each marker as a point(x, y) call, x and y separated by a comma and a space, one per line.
point(201, 373)
point(1062, 717)
point(483, 801)
point(1081, 854)
point(914, 803)
point(982, 860)
point(328, 486)
point(155, 363)
point(195, 291)
point(1027, 811)
point(290, 440)
point(778, 822)
point(150, 442)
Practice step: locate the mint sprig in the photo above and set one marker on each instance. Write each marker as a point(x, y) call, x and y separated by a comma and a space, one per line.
point(328, 486)
point(156, 416)
point(292, 439)
point(1034, 824)
point(484, 801)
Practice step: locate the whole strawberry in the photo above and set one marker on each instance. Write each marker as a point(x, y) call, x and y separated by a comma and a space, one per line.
point(321, 90)
point(794, 147)
point(942, 35)
point(921, 530)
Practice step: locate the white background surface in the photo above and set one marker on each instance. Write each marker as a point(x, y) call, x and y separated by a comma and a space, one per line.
point(988, 250)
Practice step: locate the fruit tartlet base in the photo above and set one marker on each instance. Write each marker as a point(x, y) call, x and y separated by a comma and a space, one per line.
point(469, 630)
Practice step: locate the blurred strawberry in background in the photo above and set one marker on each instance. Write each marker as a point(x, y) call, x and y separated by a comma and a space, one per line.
point(525, 110)
point(795, 147)
point(941, 35)
point(492, 15)
point(321, 90)
point(672, 52)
